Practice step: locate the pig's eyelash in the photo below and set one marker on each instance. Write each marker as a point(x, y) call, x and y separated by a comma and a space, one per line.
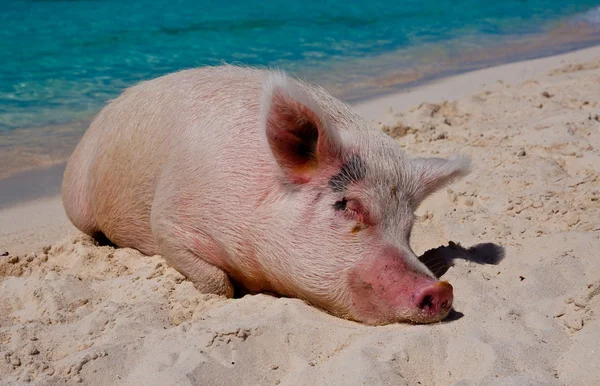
point(342, 206)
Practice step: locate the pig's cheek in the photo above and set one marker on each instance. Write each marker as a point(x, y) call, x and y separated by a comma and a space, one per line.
point(365, 301)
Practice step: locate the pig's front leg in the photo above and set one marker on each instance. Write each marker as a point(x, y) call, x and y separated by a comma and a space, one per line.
point(184, 252)
point(207, 278)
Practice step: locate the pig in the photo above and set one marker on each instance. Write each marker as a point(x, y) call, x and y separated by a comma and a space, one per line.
point(249, 177)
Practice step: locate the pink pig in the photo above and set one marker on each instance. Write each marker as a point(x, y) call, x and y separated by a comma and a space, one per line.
point(246, 176)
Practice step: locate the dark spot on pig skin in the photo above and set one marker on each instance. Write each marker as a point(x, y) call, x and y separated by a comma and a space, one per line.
point(354, 169)
point(318, 197)
point(340, 205)
point(356, 229)
point(367, 286)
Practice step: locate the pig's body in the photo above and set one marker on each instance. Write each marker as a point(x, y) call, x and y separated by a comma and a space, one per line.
point(165, 149)
point(240, 174)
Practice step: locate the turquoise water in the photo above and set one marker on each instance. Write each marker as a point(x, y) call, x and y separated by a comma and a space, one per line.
point(60, 61)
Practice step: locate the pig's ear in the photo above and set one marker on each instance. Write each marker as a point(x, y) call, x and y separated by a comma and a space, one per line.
point(296, 129)
point(431, 174)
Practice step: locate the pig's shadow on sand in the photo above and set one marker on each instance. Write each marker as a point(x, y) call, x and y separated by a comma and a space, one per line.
point(440, 259)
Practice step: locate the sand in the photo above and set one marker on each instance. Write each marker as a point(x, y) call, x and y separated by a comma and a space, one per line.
point(72, 311)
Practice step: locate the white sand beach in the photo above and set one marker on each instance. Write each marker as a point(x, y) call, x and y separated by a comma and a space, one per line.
point(75, 312)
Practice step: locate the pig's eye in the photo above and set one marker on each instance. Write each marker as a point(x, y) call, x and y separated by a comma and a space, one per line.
point(352, 209)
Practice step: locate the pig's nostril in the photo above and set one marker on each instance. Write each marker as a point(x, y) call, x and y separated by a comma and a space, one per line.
point(426, 303)
point(435, 298)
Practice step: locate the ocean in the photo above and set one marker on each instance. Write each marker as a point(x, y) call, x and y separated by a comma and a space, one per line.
point(62, 60)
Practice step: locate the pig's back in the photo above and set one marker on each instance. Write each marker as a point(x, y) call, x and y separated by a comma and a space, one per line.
point(181, 131)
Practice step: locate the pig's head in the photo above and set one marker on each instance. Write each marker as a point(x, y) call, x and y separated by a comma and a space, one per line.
point(344, 215)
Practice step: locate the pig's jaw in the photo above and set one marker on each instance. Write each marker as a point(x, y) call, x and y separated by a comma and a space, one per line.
point(385, 290)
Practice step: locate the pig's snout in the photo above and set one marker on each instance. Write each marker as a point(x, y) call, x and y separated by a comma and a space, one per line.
point(433, 301)
point(386, 289)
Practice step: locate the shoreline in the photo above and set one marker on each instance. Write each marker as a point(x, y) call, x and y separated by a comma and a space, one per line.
point(40, 182)
point(39, 147)
point(547, 45)
point(441, 89)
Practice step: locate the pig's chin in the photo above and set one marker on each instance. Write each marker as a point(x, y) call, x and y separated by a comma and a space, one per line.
point(424, 317)
point(374, 311)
